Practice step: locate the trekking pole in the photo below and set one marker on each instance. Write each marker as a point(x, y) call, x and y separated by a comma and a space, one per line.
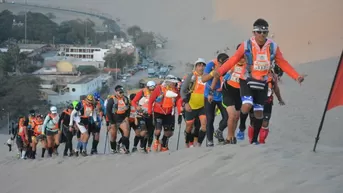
point(178, 138)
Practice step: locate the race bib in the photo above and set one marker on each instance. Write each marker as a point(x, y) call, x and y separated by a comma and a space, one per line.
point(235, 77)
point(261, 63)
point(88, 111)
point(55, 119)
point(40, 128)
point(200, 81)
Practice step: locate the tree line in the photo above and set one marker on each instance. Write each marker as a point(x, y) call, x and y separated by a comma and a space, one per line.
point(42, 29)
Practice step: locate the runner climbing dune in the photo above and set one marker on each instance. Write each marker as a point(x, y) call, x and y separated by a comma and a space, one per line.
point(284, 164)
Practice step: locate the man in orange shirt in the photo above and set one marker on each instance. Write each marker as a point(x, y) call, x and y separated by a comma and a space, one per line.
point(161, 105)
point(260, 54)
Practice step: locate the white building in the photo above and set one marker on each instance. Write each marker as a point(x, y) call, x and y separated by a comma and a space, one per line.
point(84, 53)
point(73, 91)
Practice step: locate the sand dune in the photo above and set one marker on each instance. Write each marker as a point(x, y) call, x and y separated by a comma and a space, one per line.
point(284, 164)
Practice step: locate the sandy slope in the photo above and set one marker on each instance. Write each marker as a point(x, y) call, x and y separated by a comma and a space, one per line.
point(285, 164)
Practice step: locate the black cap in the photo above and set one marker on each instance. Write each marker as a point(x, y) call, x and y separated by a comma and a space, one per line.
point(32, 112)
point(118, 88)
point(260, 25)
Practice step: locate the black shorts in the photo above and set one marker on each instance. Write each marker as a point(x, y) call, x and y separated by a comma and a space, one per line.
point(145, 124)
point(165, 121)
point(190, 116)
point(231, 96)
point(51, 133)
point(20, 143)
point(93, 128)
point(78, 134)
point(133, 125)
point(256, 98)
point(119, 119)
point(267, 111)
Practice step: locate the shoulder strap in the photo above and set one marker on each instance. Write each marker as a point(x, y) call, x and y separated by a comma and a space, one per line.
point(248, 52)
point(192, 83)
point(272, 50)
point(126, 100)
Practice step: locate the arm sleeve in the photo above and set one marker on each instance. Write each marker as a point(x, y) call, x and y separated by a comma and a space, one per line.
point(46, 120)
point(179, 105)
point(61, 119)
point(94, 115)
point(232, 61)
point(152, 98)
point(128, 109)
point(206, 77)
point(135, 100)
point(109, 106)
point(284, 65)
point(184, 92)
point(72, 115)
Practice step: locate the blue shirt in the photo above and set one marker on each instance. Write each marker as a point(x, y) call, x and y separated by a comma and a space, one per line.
point(217, 96)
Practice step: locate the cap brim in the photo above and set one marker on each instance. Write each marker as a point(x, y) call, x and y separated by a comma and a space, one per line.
point(53, 111)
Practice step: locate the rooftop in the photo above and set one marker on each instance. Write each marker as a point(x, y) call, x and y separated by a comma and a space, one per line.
point(48, 91)
point(31, 46)
point(85, 79)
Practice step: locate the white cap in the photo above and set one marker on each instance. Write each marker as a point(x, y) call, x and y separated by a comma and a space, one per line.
point(150, 83)
point(171, 78)
point(200, 60)
point(53, 109)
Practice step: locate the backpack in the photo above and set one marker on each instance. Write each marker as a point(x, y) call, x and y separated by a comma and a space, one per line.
point(192, 83)
point(115, 103)
point(248, 53)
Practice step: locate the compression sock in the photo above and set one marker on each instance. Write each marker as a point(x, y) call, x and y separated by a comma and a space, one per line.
point(95, 144)
point(242, 121)
point(157, 137)
point(50, 150)
point(144, 142)
point(79, 146)
point(120, 141)
point(201, 137)
point(164, 141)
point(141, 141)
point(23, 154)
point(43, 152)
point(56, 147)
point(126, 142)
point(263, 135)
point(136, 140)
point(84, 146)
point(188, 137)
point(192, 137)
point(113, 145)
point(257, 126)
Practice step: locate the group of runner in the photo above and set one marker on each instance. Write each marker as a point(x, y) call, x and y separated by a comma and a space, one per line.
point(235, 87)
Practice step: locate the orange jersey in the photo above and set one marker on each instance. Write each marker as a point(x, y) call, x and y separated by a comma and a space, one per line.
point(236, 72)
point(262, 63)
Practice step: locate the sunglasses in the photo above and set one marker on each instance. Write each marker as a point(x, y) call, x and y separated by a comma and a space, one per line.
point(262, 32)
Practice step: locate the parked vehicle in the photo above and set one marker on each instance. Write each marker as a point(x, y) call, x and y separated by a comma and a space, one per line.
point(151, 72)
